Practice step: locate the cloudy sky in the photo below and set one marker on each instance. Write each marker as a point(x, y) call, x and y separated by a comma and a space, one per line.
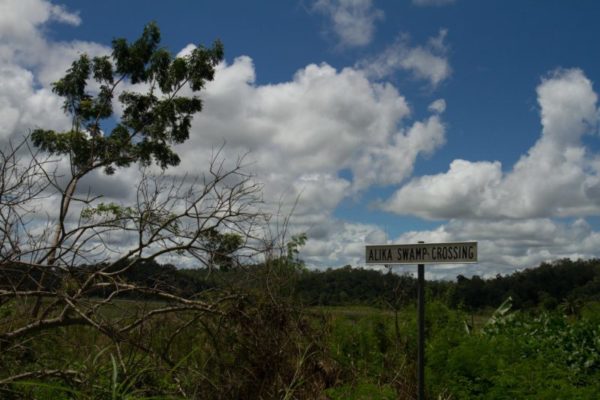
point(374, 121)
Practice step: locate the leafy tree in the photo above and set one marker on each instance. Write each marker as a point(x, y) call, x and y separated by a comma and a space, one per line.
point(151, 122)
point(221, 248)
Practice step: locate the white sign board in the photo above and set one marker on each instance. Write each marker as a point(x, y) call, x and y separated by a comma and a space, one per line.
point(422, 253)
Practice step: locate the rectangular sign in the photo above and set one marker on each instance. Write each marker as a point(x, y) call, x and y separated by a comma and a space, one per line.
point(422, 253)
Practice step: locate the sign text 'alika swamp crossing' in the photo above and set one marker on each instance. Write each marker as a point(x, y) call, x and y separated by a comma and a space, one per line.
point(422, 253)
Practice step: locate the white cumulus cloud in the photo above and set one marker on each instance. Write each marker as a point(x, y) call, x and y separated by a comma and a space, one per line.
point(29, 63)
point(352, 21)
point(426, 62)
point(438, 106)
point(558, 176)
point(317, 124)
point(20, 19)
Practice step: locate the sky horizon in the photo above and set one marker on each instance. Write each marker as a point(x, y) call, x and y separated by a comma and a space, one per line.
point(370, 122)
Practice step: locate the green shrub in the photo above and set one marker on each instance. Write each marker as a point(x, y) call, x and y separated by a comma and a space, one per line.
point(521, 357)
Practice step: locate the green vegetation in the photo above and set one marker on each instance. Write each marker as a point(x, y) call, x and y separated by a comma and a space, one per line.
point(543, 357)
point(267, 344)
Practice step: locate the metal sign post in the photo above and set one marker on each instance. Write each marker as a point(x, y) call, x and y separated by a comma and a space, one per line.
point(422, 253)
point(421, 338)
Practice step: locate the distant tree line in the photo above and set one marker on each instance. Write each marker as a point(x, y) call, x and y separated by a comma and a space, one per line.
point(564, 283)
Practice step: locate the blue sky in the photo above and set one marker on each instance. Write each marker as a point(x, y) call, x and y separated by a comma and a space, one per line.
point(390, 121)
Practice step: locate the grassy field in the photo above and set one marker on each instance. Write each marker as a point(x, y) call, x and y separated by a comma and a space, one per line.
point(264, 350)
